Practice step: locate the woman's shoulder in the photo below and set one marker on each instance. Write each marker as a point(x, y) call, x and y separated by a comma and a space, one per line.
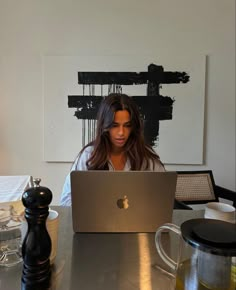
point(87, 149)
point(159, 166)
point(82, 158)
point(151, 150)
point(154, 162)
point(86, 152)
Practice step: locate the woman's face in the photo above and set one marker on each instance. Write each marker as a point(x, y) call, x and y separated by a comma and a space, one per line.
point(120, 131)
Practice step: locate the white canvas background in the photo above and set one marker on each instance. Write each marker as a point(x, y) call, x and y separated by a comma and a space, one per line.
point(180, 139)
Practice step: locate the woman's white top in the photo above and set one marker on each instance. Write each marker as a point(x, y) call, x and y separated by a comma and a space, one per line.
point(80, 164)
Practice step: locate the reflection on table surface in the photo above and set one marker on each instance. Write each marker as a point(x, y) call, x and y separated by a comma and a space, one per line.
point(103, 261)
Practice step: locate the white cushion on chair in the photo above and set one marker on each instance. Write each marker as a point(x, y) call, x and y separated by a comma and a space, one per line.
point(12, 187)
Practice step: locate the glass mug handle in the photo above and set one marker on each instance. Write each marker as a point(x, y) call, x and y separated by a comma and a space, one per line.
point(166, 227)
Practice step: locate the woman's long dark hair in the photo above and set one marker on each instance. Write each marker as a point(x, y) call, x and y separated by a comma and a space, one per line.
point(138, 153)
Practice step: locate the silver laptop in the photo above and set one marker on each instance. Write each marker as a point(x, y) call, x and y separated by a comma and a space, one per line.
point(121, 201)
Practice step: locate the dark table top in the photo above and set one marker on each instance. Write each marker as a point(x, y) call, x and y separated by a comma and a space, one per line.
point(103, 261)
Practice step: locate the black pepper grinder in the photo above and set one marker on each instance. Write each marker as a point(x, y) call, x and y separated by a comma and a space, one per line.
point(36, 247)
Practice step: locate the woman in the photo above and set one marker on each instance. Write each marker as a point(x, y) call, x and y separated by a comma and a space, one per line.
point(119, 142)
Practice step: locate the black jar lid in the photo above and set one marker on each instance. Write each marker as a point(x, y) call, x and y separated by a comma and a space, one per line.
point(37, 196)
point(210, 235)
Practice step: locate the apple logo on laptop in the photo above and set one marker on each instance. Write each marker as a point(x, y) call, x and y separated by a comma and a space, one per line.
point(123, 202)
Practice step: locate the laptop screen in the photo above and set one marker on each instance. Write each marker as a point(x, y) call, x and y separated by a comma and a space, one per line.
point(121, 201)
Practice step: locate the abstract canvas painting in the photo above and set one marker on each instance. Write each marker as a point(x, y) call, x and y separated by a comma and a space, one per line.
point(168, 92)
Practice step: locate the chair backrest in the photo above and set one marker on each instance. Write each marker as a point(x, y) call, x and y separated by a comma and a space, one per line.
point(195, 187)
point(12, 187)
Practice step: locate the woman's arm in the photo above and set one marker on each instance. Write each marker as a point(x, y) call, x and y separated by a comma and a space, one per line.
point(79, 164)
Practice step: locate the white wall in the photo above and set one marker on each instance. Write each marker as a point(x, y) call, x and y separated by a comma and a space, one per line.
point(30, 29)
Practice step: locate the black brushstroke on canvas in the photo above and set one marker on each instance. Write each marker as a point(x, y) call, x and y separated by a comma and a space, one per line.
point(153, 107)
